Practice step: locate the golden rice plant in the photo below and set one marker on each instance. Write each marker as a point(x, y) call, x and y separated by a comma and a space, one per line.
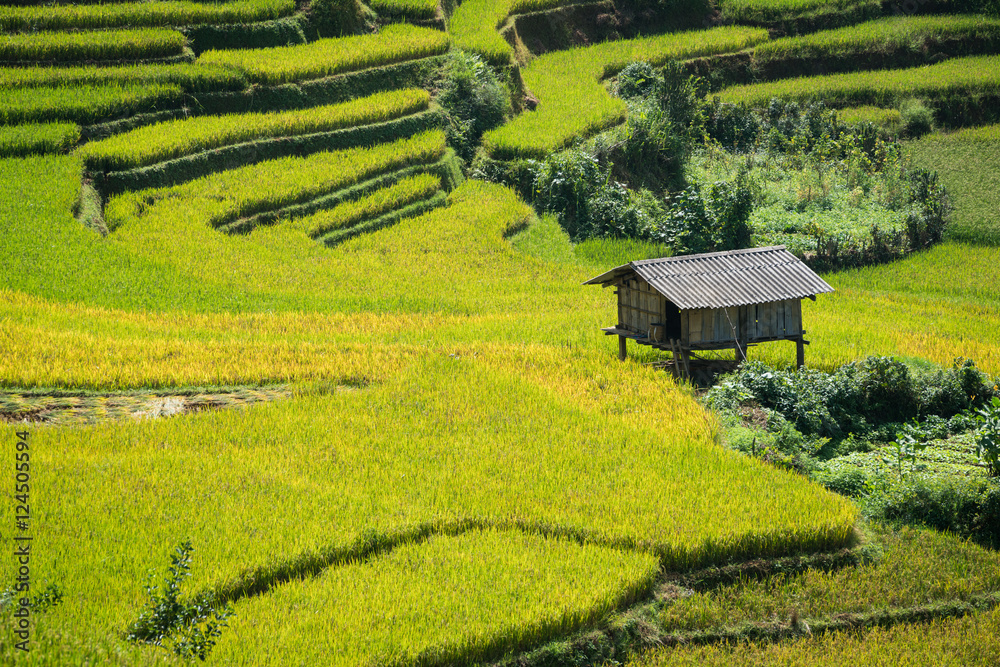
point(190, 77)
point(83, 104)
point(18, 140)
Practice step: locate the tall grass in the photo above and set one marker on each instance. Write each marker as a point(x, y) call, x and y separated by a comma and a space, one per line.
point(163, 141)
point(327, 57)
point(99, 45)
point(140, 14)
point(19, 140)
point(84, 104)
point(959, 76)
point(574, 103)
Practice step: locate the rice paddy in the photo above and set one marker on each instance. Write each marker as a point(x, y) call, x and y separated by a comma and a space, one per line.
point(429, 453)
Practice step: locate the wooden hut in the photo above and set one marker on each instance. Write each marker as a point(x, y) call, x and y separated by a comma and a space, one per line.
point(712, 301)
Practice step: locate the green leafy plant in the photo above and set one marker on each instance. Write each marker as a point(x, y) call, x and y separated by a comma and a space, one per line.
point(988, 436)
point(191, 627)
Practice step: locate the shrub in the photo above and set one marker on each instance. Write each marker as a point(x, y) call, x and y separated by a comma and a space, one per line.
point(475, 98)
point(917, 118)
point(637, 80)
point(988, 436)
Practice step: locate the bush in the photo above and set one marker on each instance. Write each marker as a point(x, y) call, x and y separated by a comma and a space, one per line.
point(967, 507)
point(474, 97)
point(637, 80)
point(709, 219)
point(918, 119)
point(338, 18)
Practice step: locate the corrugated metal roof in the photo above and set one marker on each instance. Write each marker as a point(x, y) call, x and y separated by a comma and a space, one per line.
point(724, 279)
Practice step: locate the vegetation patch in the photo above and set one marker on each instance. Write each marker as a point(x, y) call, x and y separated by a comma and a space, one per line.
point(192, 78)
point(84, 104)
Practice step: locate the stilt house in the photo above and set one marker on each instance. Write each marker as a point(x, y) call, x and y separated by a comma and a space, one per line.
point(712, 301)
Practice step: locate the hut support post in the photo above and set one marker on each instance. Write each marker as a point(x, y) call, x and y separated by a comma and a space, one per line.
point(622, 350)
point(800, 352)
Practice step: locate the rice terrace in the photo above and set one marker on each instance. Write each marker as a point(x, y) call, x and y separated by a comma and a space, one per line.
point(300, 363)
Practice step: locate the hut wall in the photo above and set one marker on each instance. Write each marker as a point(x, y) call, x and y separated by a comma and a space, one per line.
point(640, 306)
point(757, 322)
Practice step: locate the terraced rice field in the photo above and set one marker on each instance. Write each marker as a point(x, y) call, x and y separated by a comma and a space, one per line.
point(429, 453)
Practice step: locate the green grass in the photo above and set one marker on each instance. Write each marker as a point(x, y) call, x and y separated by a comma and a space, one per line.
point(768, 11)
point(163, 141)
point(573, 102)
point(84, 104)
point(155, 13)
point(190, 77)
point(968, 162)
point(100, 45)
point(327, 57)
point(956, 77)
point(19, 140)
point(885, 35)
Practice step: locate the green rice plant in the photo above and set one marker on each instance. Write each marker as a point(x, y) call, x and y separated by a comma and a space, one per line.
point(413, 9)
point(968, 162)
point(768, 11)
point(573, 103)
point(883, 35)
point(83, 104)
point(191, 77)
point(382, 201)
point(18, 140)
point(442, 609)
point(328, 57)
point(97, 45)
point(227, 196)
point(140, 14)
point(474, 25)
point(164, 141)
point(879, 116)
point(959, 76)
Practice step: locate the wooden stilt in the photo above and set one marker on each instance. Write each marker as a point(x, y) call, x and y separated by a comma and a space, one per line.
point(800, 352)
point(622, 350)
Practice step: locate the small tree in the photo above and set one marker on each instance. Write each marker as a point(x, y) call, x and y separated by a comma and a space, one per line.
point(988, 436)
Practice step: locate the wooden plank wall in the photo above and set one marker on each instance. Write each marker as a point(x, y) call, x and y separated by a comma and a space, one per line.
point(718, 326)
point(639, 305)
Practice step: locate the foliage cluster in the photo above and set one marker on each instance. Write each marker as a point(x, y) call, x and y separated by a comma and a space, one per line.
point(97, 45)
point(868, 399)
point(476, 100)
point(190, 628)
